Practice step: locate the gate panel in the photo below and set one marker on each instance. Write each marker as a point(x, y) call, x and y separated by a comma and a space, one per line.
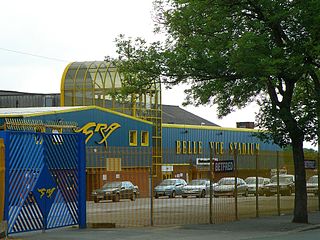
point(25, 163)
point(43, 181)
point(62, 160)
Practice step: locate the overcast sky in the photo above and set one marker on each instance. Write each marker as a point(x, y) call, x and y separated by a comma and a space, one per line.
point(39, 38)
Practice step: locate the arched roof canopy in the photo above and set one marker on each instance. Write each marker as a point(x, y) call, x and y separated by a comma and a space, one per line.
point(98, 82)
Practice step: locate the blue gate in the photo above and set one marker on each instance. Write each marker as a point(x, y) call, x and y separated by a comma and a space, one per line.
point(45, 180)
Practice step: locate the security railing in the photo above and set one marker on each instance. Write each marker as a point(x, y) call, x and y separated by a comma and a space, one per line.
point(235, 186)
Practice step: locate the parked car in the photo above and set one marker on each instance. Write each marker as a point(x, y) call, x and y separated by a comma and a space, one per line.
point(169, 187)
point(115, 191)
point(286, 185)
point(197, 187)
point(226, 187)
point(312, 185)
point(251, 182)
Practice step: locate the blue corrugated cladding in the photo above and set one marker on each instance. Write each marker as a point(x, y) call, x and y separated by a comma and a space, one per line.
point(170, 135)
point(120, 137)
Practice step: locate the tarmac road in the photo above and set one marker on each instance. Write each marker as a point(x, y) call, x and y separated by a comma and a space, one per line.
point(181, 211)
point(277, 227)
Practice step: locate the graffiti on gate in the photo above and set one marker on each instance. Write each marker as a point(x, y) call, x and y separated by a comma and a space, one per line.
point(44, 191)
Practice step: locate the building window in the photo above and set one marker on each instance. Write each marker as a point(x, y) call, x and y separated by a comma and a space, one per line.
point(144, 138)
point(133, 138)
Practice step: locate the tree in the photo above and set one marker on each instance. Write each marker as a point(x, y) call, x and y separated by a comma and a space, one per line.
point(234, 52)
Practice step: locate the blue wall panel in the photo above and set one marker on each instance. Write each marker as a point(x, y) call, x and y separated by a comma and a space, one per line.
point(120, 137)
point(219, 136)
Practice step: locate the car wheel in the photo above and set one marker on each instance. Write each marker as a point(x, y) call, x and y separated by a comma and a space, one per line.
point(173, 194)
point(184, 196)
point(216, 196)
point(133, 197)
point(116, 198)
point(96, 200)
point(289, 192)
point(156, 196)
point(203, 194)
point(246, 193)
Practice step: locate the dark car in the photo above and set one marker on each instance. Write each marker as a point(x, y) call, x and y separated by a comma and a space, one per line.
point(169, 187)
point(286, 185)
point(115, 191)
point(312, 185)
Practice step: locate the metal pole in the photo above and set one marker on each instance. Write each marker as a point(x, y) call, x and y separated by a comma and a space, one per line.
point(257, 187)
point(236, 185)
point(278, 186)
point(210, 202)
point(318, 190)
point(151, 195)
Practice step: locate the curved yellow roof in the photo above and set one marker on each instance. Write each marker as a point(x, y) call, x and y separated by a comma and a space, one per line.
point(97, 83)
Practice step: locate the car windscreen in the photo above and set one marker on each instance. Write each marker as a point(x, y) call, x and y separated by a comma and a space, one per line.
point(112, 185)
point(167, 182)
point(197, 182)
point(226, 181)
point(253, 180)
point(313, 179)
point(282, 179)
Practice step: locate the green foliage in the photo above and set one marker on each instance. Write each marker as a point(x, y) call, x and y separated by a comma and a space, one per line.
point(235, 52)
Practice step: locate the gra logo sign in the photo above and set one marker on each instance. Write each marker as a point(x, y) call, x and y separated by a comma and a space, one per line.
point(103, 129)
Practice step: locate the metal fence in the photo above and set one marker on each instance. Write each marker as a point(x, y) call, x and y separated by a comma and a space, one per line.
point(150, 208)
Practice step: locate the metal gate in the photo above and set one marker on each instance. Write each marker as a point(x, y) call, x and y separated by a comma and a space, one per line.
point(45, 181)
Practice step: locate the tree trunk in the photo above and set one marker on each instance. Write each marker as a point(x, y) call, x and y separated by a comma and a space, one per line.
point(300, 214)
point(301, 200)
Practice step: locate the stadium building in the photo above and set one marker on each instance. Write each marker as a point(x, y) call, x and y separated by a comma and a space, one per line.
point(134, 137)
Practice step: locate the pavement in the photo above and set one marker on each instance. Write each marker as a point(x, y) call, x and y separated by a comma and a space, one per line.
point(273, 227)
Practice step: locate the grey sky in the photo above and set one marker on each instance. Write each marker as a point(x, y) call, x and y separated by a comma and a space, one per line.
point(39, 38)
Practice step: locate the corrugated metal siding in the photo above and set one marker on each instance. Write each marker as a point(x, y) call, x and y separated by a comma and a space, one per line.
point(41, 100)
point(171, 134)
point(120, 137)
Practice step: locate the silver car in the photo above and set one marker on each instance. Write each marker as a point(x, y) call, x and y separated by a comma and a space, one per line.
point(197, 187)
point(312, 185)
point(226, 187)
point(169, 187)
point(252, 184)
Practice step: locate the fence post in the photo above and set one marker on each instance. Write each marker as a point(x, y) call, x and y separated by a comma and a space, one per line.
point(210, 202)
point(82, 180)
point(236, 184)
point(257, 187)
point(278, 185)
point(318, 190)
point(3, 226)
point(151, 194)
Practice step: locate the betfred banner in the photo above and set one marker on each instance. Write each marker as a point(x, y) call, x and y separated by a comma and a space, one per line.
point(224, 166)
point(310, 164)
